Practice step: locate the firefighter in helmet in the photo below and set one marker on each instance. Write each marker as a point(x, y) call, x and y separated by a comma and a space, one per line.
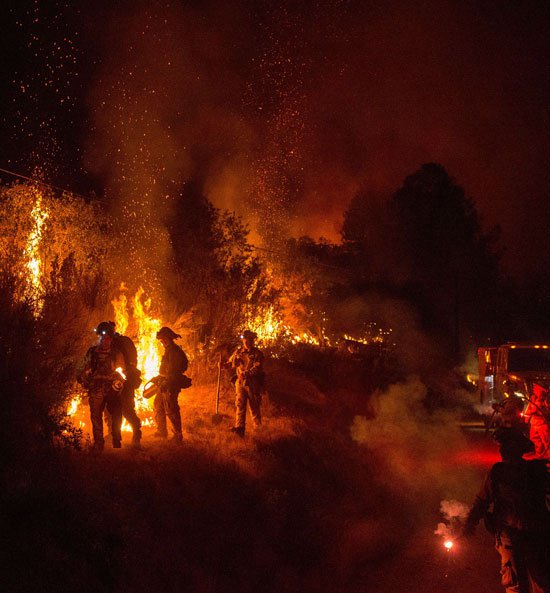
point(248, 362)
point(132, 382)
point(170, 381)
point(102, 376)
point(512, 501)
point(537, 414)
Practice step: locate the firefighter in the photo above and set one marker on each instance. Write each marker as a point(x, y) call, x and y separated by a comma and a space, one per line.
point(169, 381)
point(133, 381)
point(248, 362)
point(510, 411)
point(516, 490)
point(99, 376)
point(537, 413)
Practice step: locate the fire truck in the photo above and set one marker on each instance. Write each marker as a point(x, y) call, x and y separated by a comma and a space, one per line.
point(510, 371)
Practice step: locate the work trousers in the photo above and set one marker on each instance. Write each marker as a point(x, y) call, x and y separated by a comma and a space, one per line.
point(101, 398)
point(250, 394)
point(166, 405)
point(525, 561)
point(127, 398)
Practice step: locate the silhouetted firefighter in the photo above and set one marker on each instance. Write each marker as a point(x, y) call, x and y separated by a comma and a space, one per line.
point(517, 491)
point(132, 382)
point(102, 376)
point(170, 381)
point(248, 362)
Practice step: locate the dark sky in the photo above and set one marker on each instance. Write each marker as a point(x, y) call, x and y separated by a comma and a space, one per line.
point(284, 109)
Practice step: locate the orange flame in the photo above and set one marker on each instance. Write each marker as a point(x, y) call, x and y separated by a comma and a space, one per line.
point(33, 261)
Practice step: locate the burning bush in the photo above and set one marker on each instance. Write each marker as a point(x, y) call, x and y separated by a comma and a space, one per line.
point(53, 252)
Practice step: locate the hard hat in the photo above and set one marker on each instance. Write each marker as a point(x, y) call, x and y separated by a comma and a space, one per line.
point(249, 334)
point(166, 332)
point(105, 328)
point(514, 439)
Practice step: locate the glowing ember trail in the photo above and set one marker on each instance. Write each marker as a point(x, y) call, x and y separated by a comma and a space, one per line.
point(33, 264)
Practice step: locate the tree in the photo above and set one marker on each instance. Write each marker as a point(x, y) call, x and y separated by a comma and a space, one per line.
point(216, 273)
point(453, 264)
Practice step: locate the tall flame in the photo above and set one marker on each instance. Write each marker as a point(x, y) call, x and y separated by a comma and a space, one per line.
point(33, 263)
point(145, 328)
point(147, 343)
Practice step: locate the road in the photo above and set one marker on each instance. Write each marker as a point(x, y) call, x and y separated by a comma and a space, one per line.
point(473, 565)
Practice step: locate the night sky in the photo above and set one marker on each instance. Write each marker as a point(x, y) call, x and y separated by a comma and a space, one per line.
point(282, 110)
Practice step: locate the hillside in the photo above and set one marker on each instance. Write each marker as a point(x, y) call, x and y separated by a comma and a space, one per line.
point(306, 504)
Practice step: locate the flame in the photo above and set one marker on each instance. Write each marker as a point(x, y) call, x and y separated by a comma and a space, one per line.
point(147, 344)
point(269, 327)
point(148, 351)
point(33, 261)
point(448, 545)
point(74, 404)
point(121, 311)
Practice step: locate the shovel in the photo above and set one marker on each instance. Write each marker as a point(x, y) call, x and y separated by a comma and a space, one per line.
point(217, 418)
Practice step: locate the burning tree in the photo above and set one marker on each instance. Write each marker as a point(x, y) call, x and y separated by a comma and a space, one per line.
point(53, 252)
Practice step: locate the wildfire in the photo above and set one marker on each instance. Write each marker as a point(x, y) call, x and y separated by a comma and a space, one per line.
point(148, 353)
point(269, 327)
point(146, 344)
point(33, 261)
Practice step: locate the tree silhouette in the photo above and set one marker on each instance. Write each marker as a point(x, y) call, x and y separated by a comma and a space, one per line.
point(425, 244)
point(453, 264)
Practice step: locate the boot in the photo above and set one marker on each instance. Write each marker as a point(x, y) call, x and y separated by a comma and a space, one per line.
point(238, 430)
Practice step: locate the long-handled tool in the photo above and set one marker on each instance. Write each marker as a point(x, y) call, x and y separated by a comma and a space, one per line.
point(217, 417)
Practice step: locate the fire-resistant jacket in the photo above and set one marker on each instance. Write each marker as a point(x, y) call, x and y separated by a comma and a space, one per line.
point(517, 491)
point(249, 365)
point(173, 364)
point(100, 365)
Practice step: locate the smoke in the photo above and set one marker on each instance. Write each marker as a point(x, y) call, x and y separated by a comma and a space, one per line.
point(454, 513)
point(414, 443)
point(161, 112)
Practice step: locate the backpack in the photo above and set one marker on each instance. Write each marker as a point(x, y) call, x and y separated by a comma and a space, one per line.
point(129, 352)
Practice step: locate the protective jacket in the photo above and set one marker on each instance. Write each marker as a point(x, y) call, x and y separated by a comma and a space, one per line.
point(172, 366)
point(249, 364)
point(100, 366)
point(128, 349)
point(518, 493)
